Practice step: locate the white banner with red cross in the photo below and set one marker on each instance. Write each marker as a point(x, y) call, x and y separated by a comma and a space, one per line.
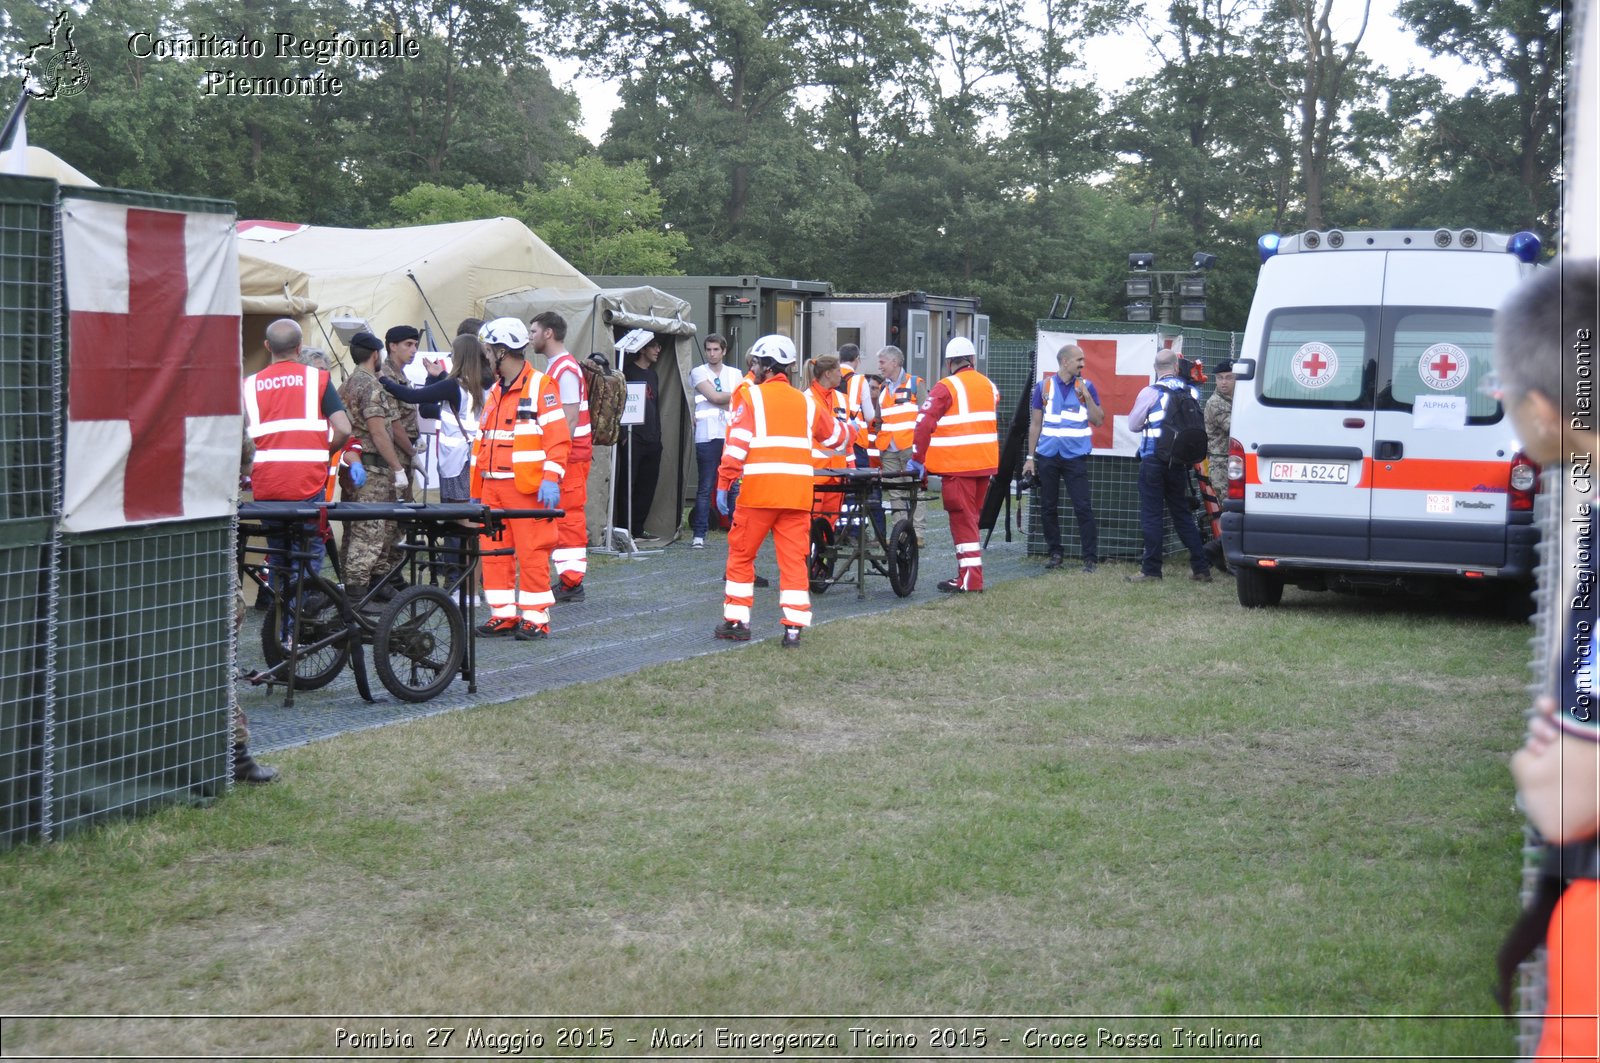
point(154, 423)
point(1119, 367)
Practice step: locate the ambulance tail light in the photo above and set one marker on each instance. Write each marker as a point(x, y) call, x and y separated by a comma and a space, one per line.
point(1524, 482)
point(1235, 471)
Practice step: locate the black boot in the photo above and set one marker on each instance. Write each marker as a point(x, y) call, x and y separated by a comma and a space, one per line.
point(245, 768)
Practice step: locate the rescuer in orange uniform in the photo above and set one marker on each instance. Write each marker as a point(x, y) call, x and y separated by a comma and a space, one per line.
point(518, 464)
point(825, 378)
point(769, 447)
point(956, 440)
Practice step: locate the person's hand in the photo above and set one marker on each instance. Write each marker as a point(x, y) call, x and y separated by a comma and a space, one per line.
point(1542, 729)
point(1081, 386)
point(358, 473)
point(1027, 466)
point(550, 494)
point(434, 366)
point(403, 482)
point(916, 468)
point(722, 501)
point(391, 386)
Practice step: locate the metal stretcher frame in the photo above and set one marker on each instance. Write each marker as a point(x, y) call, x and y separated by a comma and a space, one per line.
point(891, 552)
point(407, 629)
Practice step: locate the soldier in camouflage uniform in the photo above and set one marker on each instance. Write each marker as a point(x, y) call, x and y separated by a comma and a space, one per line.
point(1219, 415)
point(371, 547)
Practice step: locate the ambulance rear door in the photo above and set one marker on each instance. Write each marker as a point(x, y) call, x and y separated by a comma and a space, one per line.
point(1442, 450)
point(1308, 438)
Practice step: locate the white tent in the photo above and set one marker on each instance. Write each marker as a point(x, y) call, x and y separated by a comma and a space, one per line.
point(428, 276)
point(595, 319)
point(43, 163)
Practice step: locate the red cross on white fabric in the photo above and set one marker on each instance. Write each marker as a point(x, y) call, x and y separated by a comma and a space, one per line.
point(155, 366)
point(1117, 393)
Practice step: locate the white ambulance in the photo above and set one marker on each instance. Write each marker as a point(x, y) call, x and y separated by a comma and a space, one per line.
point(1365, 452)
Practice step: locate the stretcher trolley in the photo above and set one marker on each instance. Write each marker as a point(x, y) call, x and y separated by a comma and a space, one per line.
point(848, 537)
point(312, 628)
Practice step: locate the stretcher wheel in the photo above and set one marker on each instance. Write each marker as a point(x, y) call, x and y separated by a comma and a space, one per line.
point(316, 669)
point(419, 642)
point(1257, 588)
point(902, 558)
point(824, 555)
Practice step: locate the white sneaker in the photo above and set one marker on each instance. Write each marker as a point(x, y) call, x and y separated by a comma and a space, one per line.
point(698, 544)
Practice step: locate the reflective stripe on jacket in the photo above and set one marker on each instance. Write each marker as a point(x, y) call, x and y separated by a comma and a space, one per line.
point(283, 410)
point(523, 434)
point(899, 402)
point(1064, 430)
point(582, 445)
point(964, 439)
point(770, 444)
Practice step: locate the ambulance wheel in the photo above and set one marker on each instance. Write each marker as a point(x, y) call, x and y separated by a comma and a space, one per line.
point(903, 558)
point(419, 642)
point(824, 555)
point(1257, 588)
point(316, 669)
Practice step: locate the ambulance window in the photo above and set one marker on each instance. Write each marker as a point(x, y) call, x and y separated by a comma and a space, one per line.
point(1443, 353)
point(1314, 357)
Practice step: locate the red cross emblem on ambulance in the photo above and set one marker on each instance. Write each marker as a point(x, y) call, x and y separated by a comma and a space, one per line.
point(1443, 366)
point(1314, 365)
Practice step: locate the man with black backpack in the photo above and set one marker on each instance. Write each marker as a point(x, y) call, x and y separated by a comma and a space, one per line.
point(1172, 432)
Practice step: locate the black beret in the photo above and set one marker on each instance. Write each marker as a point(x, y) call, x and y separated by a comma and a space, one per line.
point(401, 333)
point(365, 341)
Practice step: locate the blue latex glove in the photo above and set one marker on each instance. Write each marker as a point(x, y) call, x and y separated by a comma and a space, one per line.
point(358, 472)
point(550, 494)
point(915, 468)
point(722, 502)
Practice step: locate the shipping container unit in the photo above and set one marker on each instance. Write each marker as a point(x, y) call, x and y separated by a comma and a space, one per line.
point(740, 308)
point(918, 323)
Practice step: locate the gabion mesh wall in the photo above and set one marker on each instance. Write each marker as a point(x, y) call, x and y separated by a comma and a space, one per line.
point(1113, 480)
point(115, 648)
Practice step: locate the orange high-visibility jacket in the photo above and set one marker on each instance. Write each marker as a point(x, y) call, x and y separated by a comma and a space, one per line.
point(899, 404)
point(740, 390)
point(855, 392)
point(283, 409)
point(523, 434)
point(769, 445)
point(834, 454)
point(964, 439)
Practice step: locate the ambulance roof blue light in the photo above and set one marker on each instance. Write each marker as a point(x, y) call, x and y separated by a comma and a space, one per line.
point(1525, 246)
point(1268, 245)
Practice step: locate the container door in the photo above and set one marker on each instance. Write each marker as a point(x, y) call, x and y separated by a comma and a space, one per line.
point(921, 359)
point(980, 340)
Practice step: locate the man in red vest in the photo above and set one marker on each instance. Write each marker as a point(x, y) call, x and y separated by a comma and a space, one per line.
point(956, 440)
point(295, 420)
point(769, 448)
point(547, 334)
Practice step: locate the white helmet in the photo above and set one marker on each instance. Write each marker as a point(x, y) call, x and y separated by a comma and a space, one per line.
point(960, 347)
point(779, 349)
point(505, 332)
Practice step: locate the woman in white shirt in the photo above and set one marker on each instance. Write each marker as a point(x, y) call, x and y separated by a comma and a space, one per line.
point(713, 385)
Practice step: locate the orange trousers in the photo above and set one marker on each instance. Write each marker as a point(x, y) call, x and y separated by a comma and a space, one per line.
point(791, 538)
point(571, 554)
point(1572, 944)
point(521, 580)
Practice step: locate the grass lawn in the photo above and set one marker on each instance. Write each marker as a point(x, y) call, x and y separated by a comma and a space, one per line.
point(1068, 797)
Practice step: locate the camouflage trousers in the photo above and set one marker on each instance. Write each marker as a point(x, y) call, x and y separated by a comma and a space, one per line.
point(371, 547)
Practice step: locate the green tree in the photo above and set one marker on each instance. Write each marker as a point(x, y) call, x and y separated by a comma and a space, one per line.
point(603, 219)
point(1489, 157)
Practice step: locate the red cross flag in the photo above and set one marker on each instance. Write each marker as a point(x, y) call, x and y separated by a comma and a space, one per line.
point(153, 357)
point(1119, 367)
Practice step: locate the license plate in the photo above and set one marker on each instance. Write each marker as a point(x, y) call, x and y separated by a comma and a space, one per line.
point(1310, 472)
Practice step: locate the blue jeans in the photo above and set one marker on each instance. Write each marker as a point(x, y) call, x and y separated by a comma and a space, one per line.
point(1161, 485)
point(707, 456)
point(1075, 471)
